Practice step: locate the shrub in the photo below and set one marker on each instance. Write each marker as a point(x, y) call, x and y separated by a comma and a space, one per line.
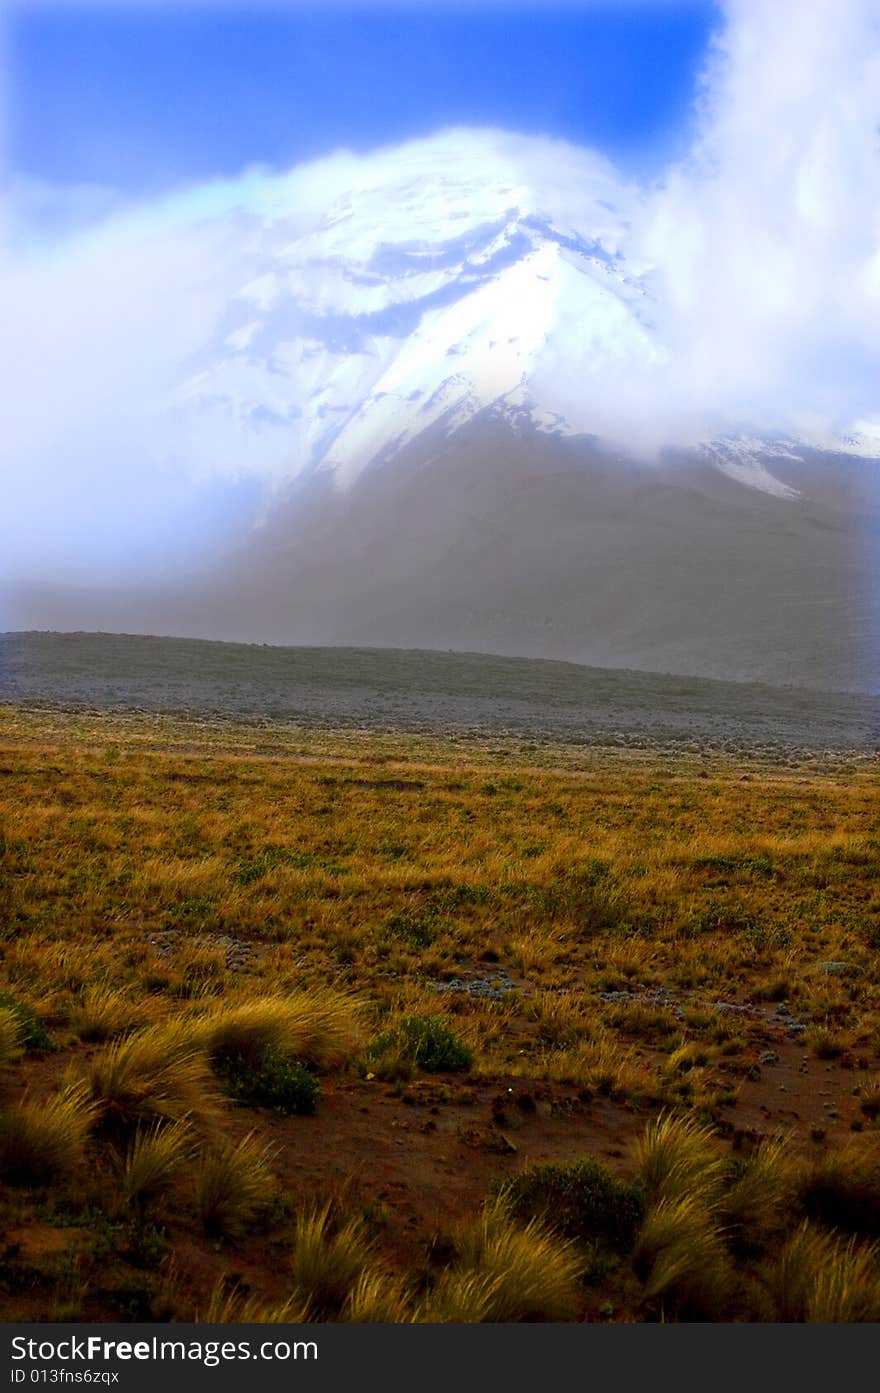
point(582, 1201)
point(426, 1043)
point(272, 1080)
point(159, 1072)
point(154, 1160)
point(39, 1141)
point(32, 1033)
point(232, 1183)
point(506, 1272)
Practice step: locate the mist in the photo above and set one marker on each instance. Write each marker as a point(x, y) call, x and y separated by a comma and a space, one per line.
point(761, 251)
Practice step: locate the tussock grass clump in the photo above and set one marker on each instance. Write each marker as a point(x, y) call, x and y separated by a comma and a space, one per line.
point(869, 1099)
point(43, 1140)
point(681, 1258)
point(230, 1305)
point(820, 1278)
point(154, 1160)
point(33, 1036)
point(582, 1201)
point(377, 1298)
point(419, 1042)
point(758, 1198)
point(508, 1272)
point(158, 1072)
point(232, 1183)
point(841, 1188)
point(678, 1157)
point(11, 1047)
point(104, 1012)
point(328, 1258)
point(317, 1027)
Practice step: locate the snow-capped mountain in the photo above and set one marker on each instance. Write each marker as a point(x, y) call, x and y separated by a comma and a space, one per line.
point(448, 376)
point(426, 295)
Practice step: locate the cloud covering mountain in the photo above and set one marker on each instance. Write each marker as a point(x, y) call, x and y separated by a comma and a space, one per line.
point(172, 367)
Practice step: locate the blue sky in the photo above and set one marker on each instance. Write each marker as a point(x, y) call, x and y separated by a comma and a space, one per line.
point(140, 100)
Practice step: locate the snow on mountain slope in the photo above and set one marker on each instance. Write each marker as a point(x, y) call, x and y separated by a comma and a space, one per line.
point(435, 287)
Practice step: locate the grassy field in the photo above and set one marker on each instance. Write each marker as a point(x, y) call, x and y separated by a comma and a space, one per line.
point(336, 1024)
point(420, 692)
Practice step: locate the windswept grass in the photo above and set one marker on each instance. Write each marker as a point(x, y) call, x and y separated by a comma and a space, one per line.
point(320, 1027)
point(154, 1160)
point(156, 1073)
point(233, 1182)
point(329, 1259)
point(681, 1258)
point(828, 1280)
point(508, 1272)
point(484, 951)
point(43, 1140)
point(677, 1158)
point(230, 1305)
point(10, 1036)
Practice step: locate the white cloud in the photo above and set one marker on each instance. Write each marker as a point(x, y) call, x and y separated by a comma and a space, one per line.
point(763, 250)
point(766, 242)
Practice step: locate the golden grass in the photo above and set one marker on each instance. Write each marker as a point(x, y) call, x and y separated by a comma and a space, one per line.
point(329, 1259)
point(320, 1027)
point(154, 1160)
point(224, 886)
point(233, 1182)
point(508, 1272)
point(820, 1278)
point(10, 1037)
point(378, 1298)
point(681, 1256)
point(103, 1012)
point(759, 1195)
point(677, 1158)
point(158, 1072)
point(233, 1306)
point(46, 1139)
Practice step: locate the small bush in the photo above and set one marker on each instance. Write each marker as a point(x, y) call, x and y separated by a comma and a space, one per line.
point(32, 1033)
point(582, 1201)
point(425, 1042)
point(232, 1183)
point(40, 1141)
point(271, 1081)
